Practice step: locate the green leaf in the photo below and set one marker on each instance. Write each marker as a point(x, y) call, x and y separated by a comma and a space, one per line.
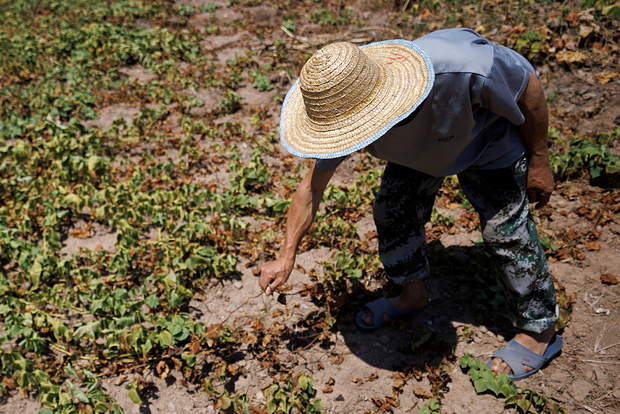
point(71, 372)
point(152, 301)
point(164, 338)
point(81, 395)
point(134, 396)
point(190, 359)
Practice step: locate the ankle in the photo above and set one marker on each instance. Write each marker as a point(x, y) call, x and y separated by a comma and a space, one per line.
point(413, 296)
point(543, 337)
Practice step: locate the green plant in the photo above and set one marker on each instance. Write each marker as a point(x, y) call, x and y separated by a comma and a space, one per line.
point(349, 265)
point(418, 337)
point(608, 7)
point(185, 10)
point(439, 219)
point(231, 101)
point(324, 16)
point(530, 44)
point(585, 154)
point(433, 407)
point(290, 23)
point(261, 82)
point(526, 399)
point(296, 392)
point(212, 30)
point(210, 8)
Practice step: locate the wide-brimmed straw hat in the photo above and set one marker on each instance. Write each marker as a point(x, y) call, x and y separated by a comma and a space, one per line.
point(347, 97)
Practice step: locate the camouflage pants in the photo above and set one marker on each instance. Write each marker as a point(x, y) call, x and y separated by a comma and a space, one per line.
point(404, 204)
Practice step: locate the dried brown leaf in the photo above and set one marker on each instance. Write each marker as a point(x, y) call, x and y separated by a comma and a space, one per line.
point(421, 393)
point(378, 401)
point(571, 57)
point(122, 378)
point(336, 359)
point(194, 348)
point(604, 78)
point(578, 254)
point(609, 279)
point(80, 234)
point(394, 401)
point(251, 339)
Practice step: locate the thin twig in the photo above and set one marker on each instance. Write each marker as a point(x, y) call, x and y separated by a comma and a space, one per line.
point(609, 394)
point(294, 36)
point(592, 361)
point(610, 346)
point(405, 6)
point(236, 309)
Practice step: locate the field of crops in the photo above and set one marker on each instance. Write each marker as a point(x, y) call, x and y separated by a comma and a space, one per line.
point(142, 186)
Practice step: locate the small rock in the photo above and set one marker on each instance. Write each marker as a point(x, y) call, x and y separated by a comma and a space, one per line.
point(601, 377)
point(561, 203)
point(210, 409)
point(171, 407)
point(580, 389)
point(237, 284)
point(384, 339)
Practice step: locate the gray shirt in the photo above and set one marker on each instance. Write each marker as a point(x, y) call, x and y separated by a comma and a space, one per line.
point(470, 118)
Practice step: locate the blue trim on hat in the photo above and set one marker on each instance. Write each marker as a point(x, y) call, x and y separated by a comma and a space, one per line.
point(327, 155)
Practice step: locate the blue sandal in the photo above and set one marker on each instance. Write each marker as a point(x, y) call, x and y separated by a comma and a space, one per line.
point(516, 356)
point(378, 308)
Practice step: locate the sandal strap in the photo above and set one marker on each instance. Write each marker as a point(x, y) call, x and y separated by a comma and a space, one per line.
point(383, 306)
point(516, 356)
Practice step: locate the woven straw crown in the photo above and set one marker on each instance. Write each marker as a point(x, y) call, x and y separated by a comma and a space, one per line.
point(347, 97)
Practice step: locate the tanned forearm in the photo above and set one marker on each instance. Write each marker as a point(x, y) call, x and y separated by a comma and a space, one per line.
point(303, 209)
point(534, 131)
point(300, 217)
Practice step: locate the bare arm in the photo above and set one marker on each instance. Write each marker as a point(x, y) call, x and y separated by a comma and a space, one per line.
point(300, 217)
point(534, 130)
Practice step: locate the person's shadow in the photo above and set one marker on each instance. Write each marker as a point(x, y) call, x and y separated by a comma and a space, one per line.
point(464, 292)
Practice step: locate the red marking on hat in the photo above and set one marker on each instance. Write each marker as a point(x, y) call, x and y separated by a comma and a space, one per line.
point(396, 58)
point(526, 359)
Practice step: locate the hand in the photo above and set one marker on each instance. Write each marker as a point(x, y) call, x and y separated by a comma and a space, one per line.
point(274, 274)
point(540, 184)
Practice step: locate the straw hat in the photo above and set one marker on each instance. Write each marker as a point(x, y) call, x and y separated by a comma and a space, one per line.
point(348, 97)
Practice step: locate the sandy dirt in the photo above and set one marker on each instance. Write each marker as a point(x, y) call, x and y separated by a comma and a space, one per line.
point(354, 368)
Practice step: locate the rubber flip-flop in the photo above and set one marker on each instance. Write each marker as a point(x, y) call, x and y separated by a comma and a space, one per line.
point(516, 356)
point(378, 308)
